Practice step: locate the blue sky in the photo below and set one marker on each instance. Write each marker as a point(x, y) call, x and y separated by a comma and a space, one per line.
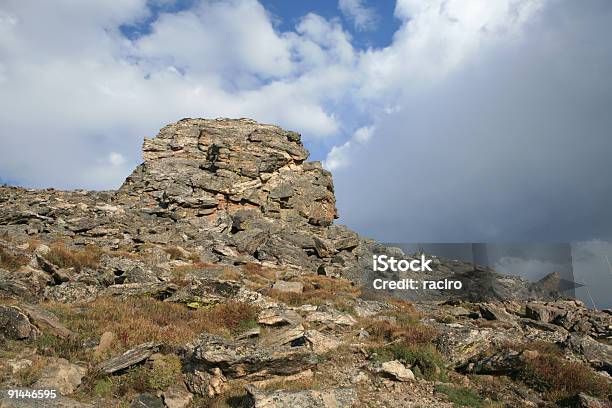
point(441, 120)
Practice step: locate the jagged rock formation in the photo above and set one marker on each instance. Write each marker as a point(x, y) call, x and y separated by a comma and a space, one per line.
point(231, 192)
point(235, 190)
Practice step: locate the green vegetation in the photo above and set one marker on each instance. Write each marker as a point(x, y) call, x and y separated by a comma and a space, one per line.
point(425, 360)
point(461, 396)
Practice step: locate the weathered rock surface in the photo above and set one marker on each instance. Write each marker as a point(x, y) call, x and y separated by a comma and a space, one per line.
point(397, 371)
point(147, 400)
point(59, 374)
point(129, 358)
point(248, 357)
point(14, 324)
point(340, 397)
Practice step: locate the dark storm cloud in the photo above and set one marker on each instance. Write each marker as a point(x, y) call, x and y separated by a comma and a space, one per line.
point(515, 146)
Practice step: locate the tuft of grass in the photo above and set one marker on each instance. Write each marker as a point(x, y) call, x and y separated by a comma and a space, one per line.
point(425, 360)
point(30, 375)
point(79, 259)
point(70, 348)
point(558, 378)
point(166, 370)
point(319, 290)
point(12, 262)
point(461, 396)
point(403, 330)
point(138, 320)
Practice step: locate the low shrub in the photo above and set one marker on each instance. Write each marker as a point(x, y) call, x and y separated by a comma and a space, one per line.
point(141, 319)
point(426, 361)
point(461, 396)
point(64, 257)
point(11, 262)
point(404, 330)
point(558, 378)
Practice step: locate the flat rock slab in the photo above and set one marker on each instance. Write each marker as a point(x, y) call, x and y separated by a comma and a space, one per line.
point(131, 357)
point(147, 401)
point(331, 398)
point(59, 374)
point(46, 320)
point(278, 317)
point(248, 357)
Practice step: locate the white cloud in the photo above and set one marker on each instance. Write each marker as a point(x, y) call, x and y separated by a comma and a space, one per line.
point(339, 156)
point(89, 88)
point(116, 159)
point(364, 18)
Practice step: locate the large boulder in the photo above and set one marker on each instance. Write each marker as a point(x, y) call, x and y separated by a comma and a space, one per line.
point(248, 357)
point(14, 324)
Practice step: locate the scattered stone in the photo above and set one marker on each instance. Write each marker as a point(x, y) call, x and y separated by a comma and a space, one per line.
point(207, 383)
point(247, 357)
point(147, 400)
point(493, 312)
point(176, 396)
point(42, 250)
point(16, 365)
point(599, 355)
point(331, 316)
point(363, 333)
point(397, 371)
point(283, 336)
point(14, 324)
point(321, 343)
point(303, 376)
point(278, 317)
point(131, 357)
point(106, 340)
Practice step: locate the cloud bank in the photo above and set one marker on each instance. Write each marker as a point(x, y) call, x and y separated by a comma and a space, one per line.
point(479, 121)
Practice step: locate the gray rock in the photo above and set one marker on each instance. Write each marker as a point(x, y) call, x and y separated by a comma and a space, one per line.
point(329, 398)
point(278, 316)
point(46, 320)
point(131, 357)
point(176, 396)
point(599, 355)
point(60, 375)
point(397, 371)
point(248, 357)
point(14, 324)
point(147, 401)
point(288, 287)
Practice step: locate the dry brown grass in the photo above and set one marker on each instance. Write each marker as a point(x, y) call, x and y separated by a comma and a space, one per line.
point(406, 331)
point(77, 258)
point(139, 320)
point(321, 289)
point(12, 262)
point(30, 375)
point(558, 378)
